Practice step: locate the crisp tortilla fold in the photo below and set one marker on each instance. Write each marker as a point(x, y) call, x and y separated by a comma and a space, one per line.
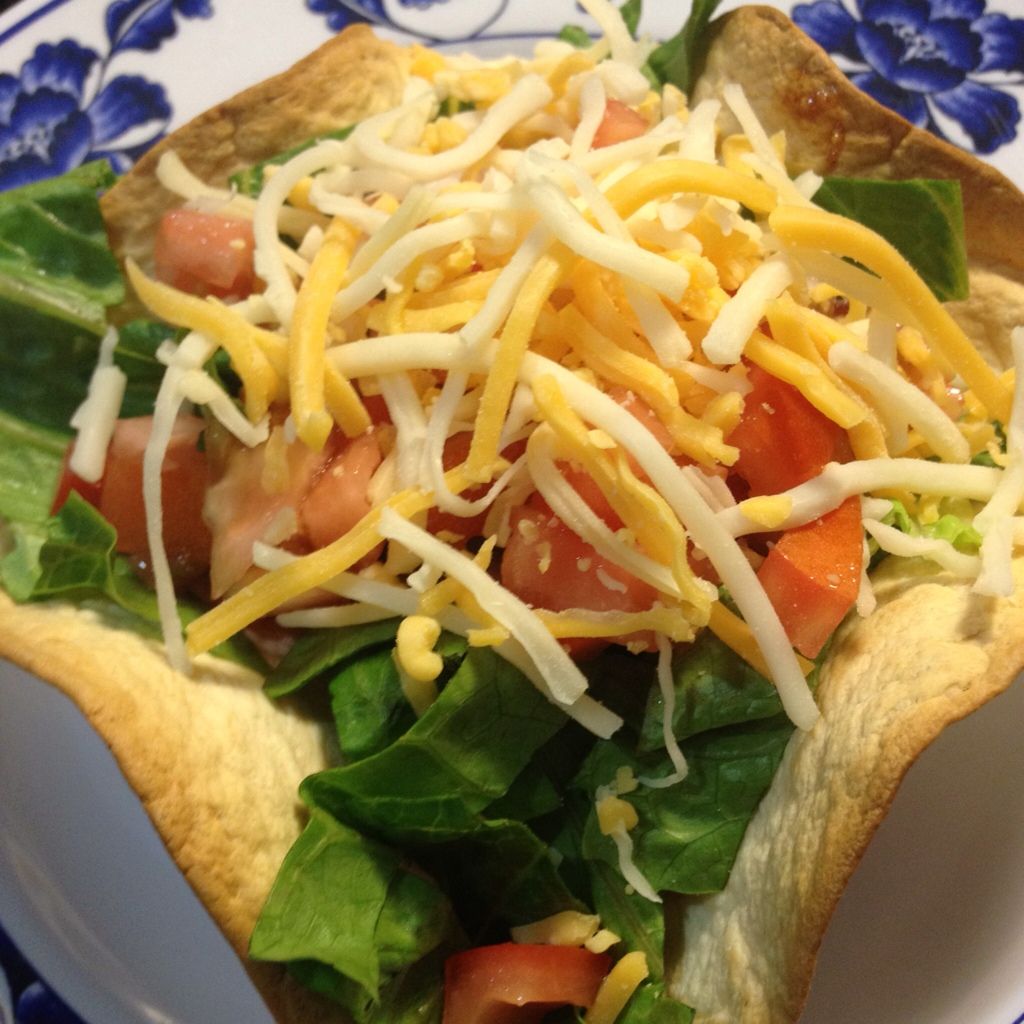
point(214, 762)
point(345, 80)
point(217, 765)
point(931, 653)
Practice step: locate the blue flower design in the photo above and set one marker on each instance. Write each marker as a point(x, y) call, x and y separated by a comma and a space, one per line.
point(31, 1001)
point(929, 60)
point(61, 109)
point(145, 24)
point(48, 124)
point(347, 12)
point(339, 13)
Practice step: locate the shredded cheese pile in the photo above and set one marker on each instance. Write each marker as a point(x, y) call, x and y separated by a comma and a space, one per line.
point(491, 271)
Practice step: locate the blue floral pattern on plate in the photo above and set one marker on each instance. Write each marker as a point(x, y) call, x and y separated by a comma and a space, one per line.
point(929, 60)
point(24, 999)
point(62, 109)
point(407, 16)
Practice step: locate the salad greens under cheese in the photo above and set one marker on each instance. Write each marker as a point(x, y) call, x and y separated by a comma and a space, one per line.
point(551, 429)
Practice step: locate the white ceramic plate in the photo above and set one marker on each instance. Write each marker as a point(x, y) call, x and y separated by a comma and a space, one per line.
point(930, 931)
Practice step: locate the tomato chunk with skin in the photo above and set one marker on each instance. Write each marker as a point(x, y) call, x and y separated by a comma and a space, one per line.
point(339, 497)
point(515, 983)
point(184, 479)
point(249, 502)
point(442, 523)
point(69, 481)
point(812, 575)
point(619, 124)
point(783, 440)
point(548, 565)
point(205, 253)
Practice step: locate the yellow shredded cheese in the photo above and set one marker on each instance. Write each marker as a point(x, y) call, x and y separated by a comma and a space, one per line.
point(306, 347)
point(769, 511)
point(414, 648)
point(800, 226)
point(246, 345)
point(617, 988)
point(613, 812)
point(513, 343)
point(566, 928)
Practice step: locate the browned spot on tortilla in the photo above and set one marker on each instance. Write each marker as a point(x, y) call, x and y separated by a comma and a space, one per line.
point(817, 104)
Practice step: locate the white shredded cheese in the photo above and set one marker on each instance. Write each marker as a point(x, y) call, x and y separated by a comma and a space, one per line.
point(95, 419)
point(739, 317)
point(894, 394)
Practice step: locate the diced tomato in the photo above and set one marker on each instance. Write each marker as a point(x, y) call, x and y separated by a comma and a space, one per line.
point(619, 124)
point(783, 440)
point(456, 449)
point(812, 575)
point(516, 983)
point(184, 479)
point(339, 497)
point(548, 566)
point(377, 409)
point(70, 481)
point(638, 408)
point(307, 500)
point(251, 501)
point(205, 253)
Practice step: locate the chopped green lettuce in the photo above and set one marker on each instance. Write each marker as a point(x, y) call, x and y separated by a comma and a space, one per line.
point(72, 556)
point(250, 180)
point(135, 354)
point(461, 755)
point(57, 278)
point(678, 60)
point(354, 905)
point(689, 832)
point(499, 808)
point(923, 218)
point(30, 463)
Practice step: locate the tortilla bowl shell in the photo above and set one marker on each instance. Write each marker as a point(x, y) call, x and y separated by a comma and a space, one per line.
point(348, 78)
point(931, 653)
point(215, 763)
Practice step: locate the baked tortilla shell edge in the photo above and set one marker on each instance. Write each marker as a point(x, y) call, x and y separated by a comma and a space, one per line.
point(350, 77)
point(214, 762)
point(931, 653)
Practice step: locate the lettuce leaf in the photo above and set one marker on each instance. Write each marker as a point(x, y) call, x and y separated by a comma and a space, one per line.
point(956, 529)
point(72, 556)
point(459, 757)
point(318, 651)
point(922, 217)
point(250, 180)
point(135, 354)
point(678, 60)
point(688, 834)
point(370, 709)
point(30, 465)
point(352, 904)
point(57, 278)
point(714, 687)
